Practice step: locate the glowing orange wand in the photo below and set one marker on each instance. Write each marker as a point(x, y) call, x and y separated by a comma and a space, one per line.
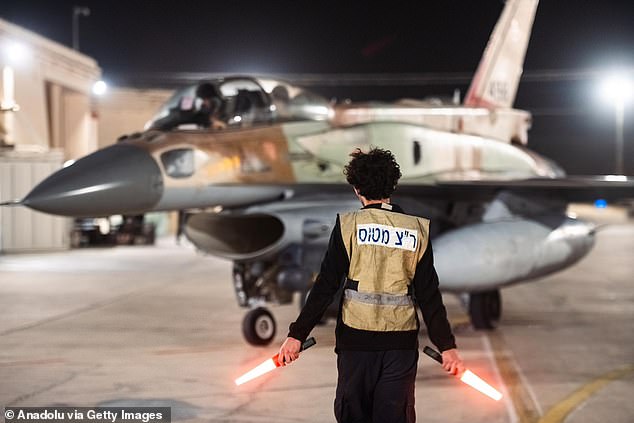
point(270, 364)
point(468, 377)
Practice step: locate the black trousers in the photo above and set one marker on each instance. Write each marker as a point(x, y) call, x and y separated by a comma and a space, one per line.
point(376, 386)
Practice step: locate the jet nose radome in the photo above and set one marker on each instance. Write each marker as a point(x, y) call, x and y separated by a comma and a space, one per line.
point(121, 179)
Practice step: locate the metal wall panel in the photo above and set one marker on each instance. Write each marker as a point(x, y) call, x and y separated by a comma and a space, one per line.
point(22, 229)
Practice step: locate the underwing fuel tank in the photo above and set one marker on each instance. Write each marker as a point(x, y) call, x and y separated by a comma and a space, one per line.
point(485, 256)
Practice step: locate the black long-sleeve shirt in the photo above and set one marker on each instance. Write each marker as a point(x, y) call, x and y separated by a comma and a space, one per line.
point(334, 269)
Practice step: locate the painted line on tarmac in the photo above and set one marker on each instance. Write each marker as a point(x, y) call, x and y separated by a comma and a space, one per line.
point(34, 362)
point(561, 410)
point(508, 403)
point(529, 388)
point(524, 402)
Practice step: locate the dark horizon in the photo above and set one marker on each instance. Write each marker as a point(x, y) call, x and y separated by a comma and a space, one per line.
point(145, 37)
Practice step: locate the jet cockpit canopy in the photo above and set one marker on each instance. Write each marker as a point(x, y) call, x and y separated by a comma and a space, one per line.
point(242, 102)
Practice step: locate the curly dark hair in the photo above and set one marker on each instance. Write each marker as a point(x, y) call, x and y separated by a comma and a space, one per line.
point(374, 174)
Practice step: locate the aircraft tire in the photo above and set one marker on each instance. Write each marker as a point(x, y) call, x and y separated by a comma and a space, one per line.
point(259, 327)
point(485, 309)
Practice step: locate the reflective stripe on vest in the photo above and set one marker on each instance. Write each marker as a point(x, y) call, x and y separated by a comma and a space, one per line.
point(384, 249)
point(378, 299)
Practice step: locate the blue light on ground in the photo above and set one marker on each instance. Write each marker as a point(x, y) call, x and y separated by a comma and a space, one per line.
point(600, 203)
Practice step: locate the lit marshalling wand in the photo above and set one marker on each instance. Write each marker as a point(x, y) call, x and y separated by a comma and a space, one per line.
point(270, 364)
point(468, 377)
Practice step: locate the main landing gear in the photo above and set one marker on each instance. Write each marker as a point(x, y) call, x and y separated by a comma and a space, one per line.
point(485, 309)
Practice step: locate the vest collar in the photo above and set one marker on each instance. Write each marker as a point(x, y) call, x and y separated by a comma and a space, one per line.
point(383, 206)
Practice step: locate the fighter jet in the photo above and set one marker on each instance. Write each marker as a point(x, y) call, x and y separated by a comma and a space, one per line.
point(263, 188)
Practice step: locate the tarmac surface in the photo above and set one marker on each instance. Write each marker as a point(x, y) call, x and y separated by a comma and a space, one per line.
point(159, 326)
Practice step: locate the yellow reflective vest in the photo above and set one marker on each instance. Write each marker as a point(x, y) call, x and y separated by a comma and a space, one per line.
point(384, 248)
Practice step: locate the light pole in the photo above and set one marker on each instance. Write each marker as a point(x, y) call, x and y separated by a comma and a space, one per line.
point(618, 89)
point(619, 108)
point(16, 56)
point(77, 12)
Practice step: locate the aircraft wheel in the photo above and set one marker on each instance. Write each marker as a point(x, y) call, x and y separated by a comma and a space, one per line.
point(497, 310)
point(485, 309)
point(258, 326)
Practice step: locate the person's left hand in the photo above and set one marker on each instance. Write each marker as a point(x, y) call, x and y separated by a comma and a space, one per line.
point(289, 351)
point(452, 362)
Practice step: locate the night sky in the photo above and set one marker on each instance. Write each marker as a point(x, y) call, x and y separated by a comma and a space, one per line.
point(136, 40)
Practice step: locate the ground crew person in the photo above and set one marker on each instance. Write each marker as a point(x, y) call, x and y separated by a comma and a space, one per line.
point(384, 258)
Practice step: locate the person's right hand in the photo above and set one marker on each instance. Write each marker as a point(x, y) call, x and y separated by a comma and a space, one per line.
point(289, 351)
point(452, 362)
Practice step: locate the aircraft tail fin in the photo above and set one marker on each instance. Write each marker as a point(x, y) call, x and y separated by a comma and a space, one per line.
point(497, 78)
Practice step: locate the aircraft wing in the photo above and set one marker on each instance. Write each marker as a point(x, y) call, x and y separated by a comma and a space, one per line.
point(571, 189)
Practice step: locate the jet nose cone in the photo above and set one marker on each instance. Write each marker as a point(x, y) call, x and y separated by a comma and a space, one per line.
point(121, 179)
